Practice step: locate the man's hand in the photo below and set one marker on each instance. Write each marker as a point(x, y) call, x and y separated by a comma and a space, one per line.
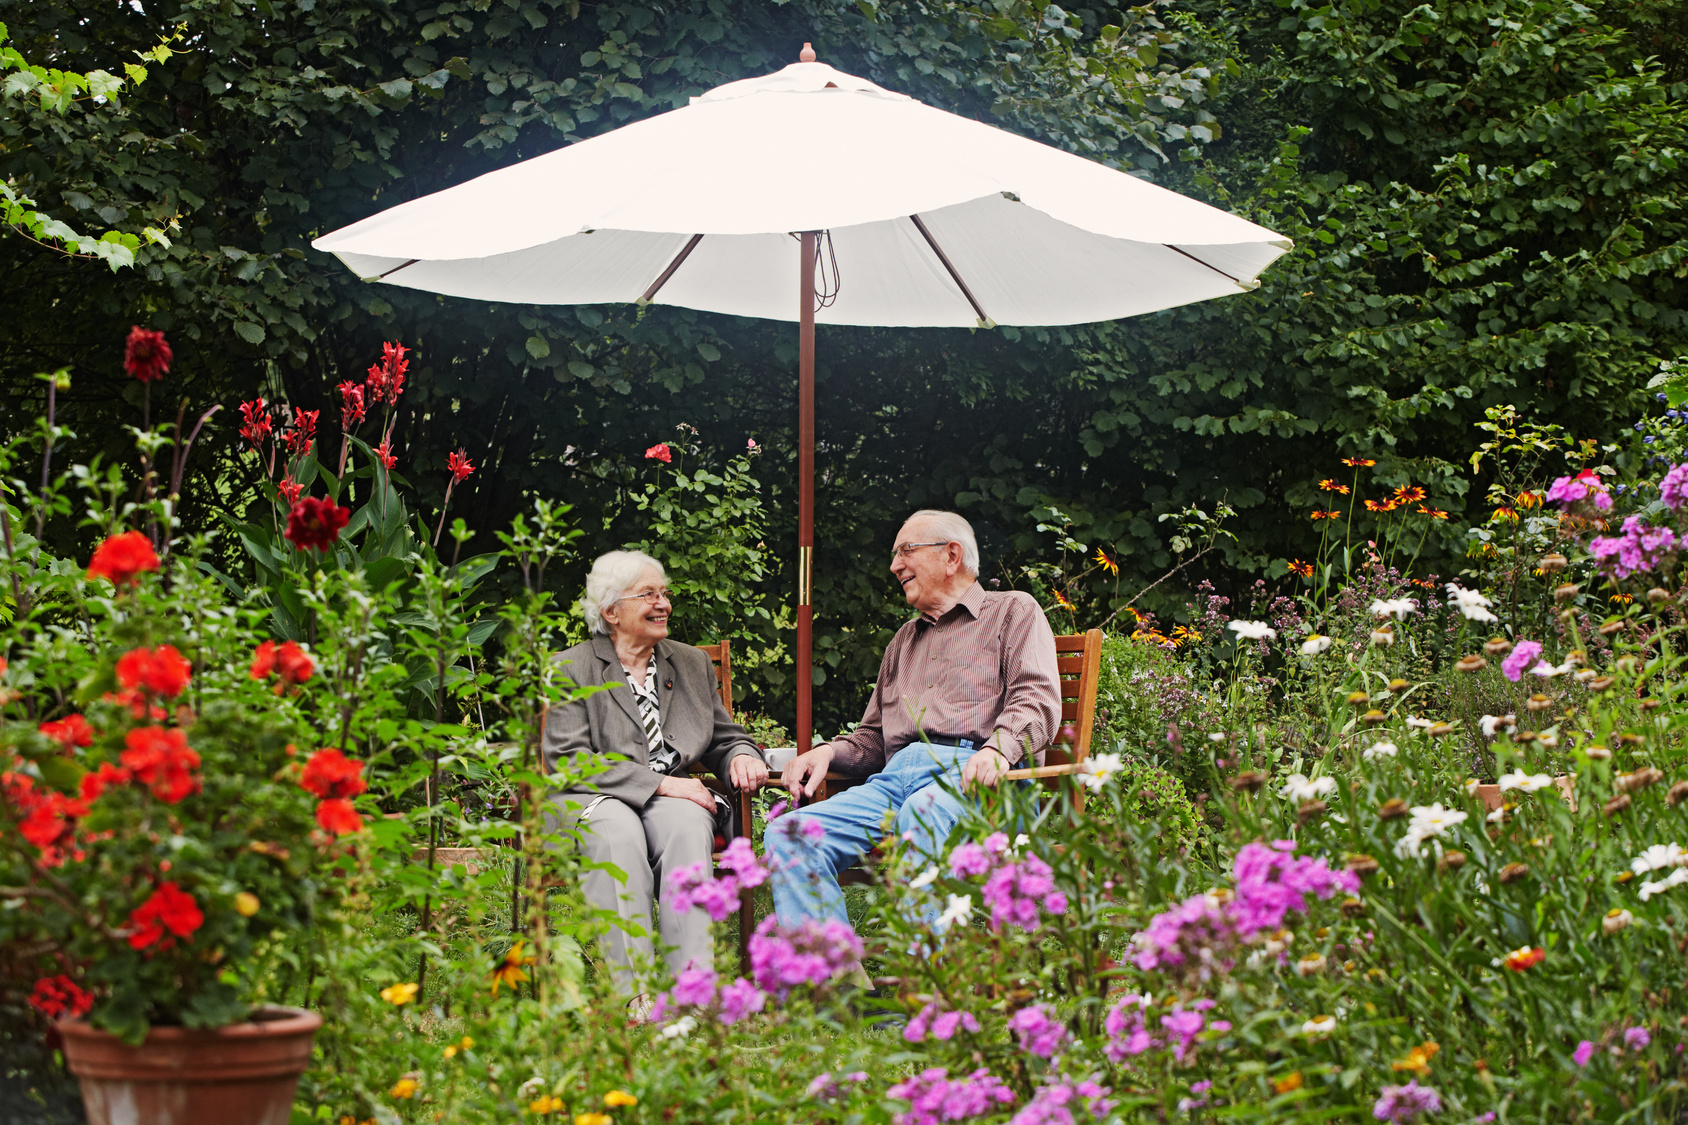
point(985, 767)
point(810, 768)
point(687, 789)
point(747, 772)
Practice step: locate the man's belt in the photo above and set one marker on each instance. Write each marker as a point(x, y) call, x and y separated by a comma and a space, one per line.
point(949, 740)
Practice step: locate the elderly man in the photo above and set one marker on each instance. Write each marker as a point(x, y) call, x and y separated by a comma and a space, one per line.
point(966, 690)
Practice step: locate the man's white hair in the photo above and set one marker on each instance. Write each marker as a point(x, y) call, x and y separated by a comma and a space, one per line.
point(951, 528)
point(613, 574)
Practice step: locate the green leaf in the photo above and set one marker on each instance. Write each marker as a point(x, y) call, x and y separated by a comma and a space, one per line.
point(250, 332)
point(538, 347)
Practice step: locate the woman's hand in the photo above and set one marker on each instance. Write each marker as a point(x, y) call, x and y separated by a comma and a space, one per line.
point(687, 789)
point(747, 772)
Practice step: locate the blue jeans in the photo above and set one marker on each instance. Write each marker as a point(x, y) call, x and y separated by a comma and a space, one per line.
point(805, 876)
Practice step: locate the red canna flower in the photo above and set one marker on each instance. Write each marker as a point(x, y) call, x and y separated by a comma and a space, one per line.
point(168, 909)
point(386, 379)
point(59, 996)
point(95, 784)
point(337, 815)
point(121, 557)
point(70, 732)
point(302, 434)
point(163, 761)
point(659, 452)
point(146, 354)
point(352, 406)
point(459, 466)
point(290, 490)
point(256, 425)
point(162, 670)
point(330, 774)
point(388, 458)
point(315, 523)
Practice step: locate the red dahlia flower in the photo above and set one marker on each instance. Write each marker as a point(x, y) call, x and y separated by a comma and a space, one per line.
point(169, 908)
point(256, 418)
point(459, 466)
point(315, 523)
point(352, 406)
point(330, 774)
point(70, 732)
point(146, 355)
point(337, 815)
point(59, 996)
point(163, 761)
point(121, 557)
point(162, 670)
point(659, 452)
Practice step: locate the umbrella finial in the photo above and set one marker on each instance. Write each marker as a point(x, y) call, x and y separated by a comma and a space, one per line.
point(808, 54)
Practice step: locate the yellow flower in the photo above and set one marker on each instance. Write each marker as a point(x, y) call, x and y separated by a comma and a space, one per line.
point(1290, 1082)
point(509, 970)
point(619, 1097)
point(1332, 486)
point(467, 1042)
point(1061, 600)
point(1105, 562)
point(246, 904)
point(404, 1088)
point(399, 994)
point(545, 1104)
point(1418, 1059)
point(1358, 462)
point(591, 1119)
point(450, 1052)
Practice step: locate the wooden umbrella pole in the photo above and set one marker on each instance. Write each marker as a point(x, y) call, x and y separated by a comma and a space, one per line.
point(805, 490)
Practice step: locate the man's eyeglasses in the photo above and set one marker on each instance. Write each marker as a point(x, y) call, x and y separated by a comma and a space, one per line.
point(649, 597)
point(904, 550)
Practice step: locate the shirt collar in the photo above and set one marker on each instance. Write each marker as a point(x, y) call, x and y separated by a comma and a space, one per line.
point(972, 601)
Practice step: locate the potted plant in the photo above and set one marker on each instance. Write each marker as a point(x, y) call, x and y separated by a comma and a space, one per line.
point(165, 830)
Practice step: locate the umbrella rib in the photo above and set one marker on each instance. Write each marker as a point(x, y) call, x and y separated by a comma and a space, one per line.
point(954, 276)
point(397, 268)
point(669, 272)
point(1199, 262)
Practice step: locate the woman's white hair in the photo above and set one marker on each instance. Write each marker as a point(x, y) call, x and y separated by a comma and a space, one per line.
point(613, 574)
point(952, 528)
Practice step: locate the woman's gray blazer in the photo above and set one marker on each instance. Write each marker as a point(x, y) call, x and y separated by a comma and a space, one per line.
point(606, 723)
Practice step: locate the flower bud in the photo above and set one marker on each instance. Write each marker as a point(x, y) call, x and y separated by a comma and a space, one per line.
point(1363, 865)
point(1658, 596)
point(1638, 779)
point(1451, 861)
point(1678, 793)
point(246, 904)
point(1613, 628)
point(1497, 646)
point(1566, 592)
point(1392, 809)
point(1554, 563)
point(1597, 753)
point(1628, 739)
point(1471, 663)
point(1617, 920)
point(1358, 699)
point(1628, 665)
point(1538, 702)
point(1383, 637)
point(1311, 810)
point(1440, 730)
point(1601, 683)
point(1374, 717)
point(1399, 685)
point(1616, 805)
point(1251, 780)
point(1652, 703)
point(1309, 965)
point(1513, 872)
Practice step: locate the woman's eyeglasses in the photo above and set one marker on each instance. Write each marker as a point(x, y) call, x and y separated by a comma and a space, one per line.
point(649, 597)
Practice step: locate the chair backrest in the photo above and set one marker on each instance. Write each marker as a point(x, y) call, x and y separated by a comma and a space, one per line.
point(721, 655)
point(1079, 656)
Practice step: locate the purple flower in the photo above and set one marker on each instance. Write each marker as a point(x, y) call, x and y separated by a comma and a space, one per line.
point(694, 987)
point(1586, 485)
point(1039, 1031)
point(1050, 1103)
point(1183, 1026)
point(694, 886)
point(1523, 654)
point(946, 1025)
point(1127, 1035)
point(1583, 1053)
point(967, 860)
point(777, 810)
point(1405, 1103)
point(1017, 892)
point(934, 1097)
point(1636, 1038)
point(741, 860)
point(740, 999)
point(823, 1088)
point(1201, 1087)
point(811, 953)
point(813, 829)
point(1641, 547)
point(1674, 488)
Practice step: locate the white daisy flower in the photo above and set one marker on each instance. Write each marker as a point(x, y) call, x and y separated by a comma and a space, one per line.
point(1299, 788)
point(1395, 607)
point(1471, 603)
point(925, 879)
point(680, 1028)
point(1099, 769)
point(1381, 750)
point(1494, 723)
point(1319, 1025)
point(1413, 721)
point(1674, 879)
point(959, 912)
point(1658, 857)
point(1315, 644)
point(1431, 820)
point(1524, 782)
point(1253, 630)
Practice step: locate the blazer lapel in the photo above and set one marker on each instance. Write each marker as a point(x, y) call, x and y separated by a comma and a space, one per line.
point(665, 688)
point(612, 673)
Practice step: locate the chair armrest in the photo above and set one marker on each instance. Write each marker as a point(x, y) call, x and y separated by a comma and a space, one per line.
point(1066, 769)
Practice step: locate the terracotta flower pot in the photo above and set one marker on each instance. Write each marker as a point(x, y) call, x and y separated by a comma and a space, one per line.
point(243, 1074)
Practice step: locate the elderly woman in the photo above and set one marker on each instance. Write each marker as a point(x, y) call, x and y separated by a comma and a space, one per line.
point(642, 812)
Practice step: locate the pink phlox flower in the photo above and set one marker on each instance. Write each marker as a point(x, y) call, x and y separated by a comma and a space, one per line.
point(1583, 1053)
point(1038, 1030)
point(741, 859)
point(1523, 654)
point(777, 810)
point(1586, 485)
point(997, 843)
point(1673, 489)
point(811, 953)
point(1641, 547)
point(1193, 937)
point(1272, 882)
point(659, 1008)
point(1127, 1035)
point(740, 999)
point(823, 1087)
point(813, 829)
point(1636, 1038)
point(1406, 1103)
point(1182, 1027)
point(934, 1097)
point(1018, 892)
point(1053, 1103)
point(968, 860)
point(694, 987)
point(947, 1024)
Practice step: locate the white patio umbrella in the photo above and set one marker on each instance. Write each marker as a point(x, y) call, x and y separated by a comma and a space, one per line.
point(913, 217)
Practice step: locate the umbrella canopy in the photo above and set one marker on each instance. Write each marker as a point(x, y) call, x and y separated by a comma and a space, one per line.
point(913, 216)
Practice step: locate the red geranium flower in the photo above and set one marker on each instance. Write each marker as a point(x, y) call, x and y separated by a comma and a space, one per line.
point(94, 784)
point(337, 815)
point(162, 670)
point(52, 820)
point(659, 452)
point(70, 732)
point(136, 701)
point(352, 406)
point(302, 433)
point(315, 523)
point(293, 662)
point(290, 490)
point(256, 416)
point(385, 452)
point(330, 773)
point(169, 908)
point(59, 996)
point(146, 355)
point(163, 761)
point(459, 465)
point(386, 379)
point(121, 557)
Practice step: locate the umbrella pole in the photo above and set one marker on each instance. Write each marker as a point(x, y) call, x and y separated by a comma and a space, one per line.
point(805, 490)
